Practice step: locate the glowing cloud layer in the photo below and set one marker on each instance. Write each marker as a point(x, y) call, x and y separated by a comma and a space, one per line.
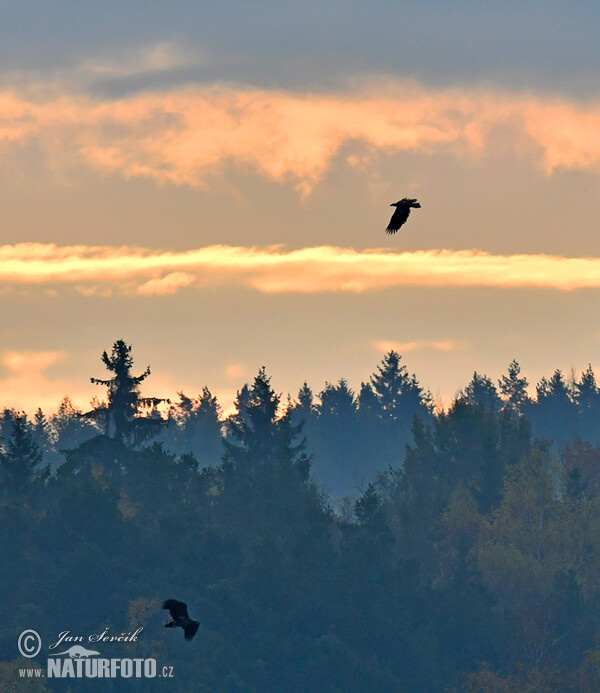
point(184, 136)
point(102, 270)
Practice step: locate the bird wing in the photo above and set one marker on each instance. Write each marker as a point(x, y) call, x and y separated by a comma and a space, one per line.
point(398, 218)
point(190, 629)
point(176, 608)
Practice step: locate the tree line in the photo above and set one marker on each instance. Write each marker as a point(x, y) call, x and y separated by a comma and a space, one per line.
point(463, 556)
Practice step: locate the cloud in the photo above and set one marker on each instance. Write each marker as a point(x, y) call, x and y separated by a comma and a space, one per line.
point(20, 362)
point(235, 370)
point(169, 284)
point(27, 386)
point(184, 136)
point(156, 57)
point(274, 270)
point(384, 346)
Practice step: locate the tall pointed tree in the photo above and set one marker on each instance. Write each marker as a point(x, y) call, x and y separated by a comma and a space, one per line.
point(41, 431)
point(554, 414)
point(305, 399)
point(256, 436)
point(514, 388)
point(121, 413)
point(21, 457)
point(399, 394)
point(304, 412)
point(587, 399)
point(481, 391)
point(586, 390)
point(338, 402)
point(368, 404)
point(195, 427)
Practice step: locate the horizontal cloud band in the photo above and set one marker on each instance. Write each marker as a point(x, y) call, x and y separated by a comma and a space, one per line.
point(183, 136)
point(273, 270)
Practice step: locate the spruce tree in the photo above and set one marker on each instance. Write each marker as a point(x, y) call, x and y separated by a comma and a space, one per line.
point(21, 457)
point(121, 413)
point(257, 436)
point(514, 388)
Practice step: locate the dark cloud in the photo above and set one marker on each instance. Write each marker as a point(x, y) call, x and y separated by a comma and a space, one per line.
point(535, 45)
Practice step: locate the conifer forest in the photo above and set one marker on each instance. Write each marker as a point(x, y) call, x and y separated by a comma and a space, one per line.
point(336, 540)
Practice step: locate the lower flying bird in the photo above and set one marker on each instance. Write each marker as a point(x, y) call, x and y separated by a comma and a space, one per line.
point(400, 216)
point(180, 619)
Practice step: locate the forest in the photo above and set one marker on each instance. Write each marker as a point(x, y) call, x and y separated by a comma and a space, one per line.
point(336, 541)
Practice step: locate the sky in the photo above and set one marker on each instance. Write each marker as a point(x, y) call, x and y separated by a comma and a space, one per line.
point(211, 182)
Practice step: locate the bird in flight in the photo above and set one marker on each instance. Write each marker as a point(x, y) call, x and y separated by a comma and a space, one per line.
point(179, 618)
point(401, 213)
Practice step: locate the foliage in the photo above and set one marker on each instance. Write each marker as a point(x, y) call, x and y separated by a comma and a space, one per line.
point(468, 560)
point(120, 415)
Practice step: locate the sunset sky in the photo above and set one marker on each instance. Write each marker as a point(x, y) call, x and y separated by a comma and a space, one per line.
point(211, 183)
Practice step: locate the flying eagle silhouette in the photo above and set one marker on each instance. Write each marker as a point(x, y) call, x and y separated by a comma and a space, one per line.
point(179, 618)
point(400, 216)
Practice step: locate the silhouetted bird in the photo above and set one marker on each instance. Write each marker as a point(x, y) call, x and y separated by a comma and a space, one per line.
point(400, 216)
point(180, 619)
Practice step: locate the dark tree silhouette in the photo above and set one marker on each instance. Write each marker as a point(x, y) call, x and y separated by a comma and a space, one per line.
point(7, 420)
point(305, 400)
point(21, 457)
point(587, 398)
point(69, 429)
point(368, 403)
point(335, 439)
point(338, 403)
point(255, 434)
point(586, 391)
point(469, 562)
point(194, 426)
point(121, 413)
point(482, 391)
point(303, 412)
point(42, 432)
point(514, 388)
point(554, 413)
point(399, 394)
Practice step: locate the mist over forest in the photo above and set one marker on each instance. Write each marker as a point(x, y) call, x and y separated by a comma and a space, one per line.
point(338, 540)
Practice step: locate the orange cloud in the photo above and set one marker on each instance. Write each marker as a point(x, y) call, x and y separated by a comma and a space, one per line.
point(27, 386)
point(19, 362)
point(184, 136)
point(235, 370)
point(274, 270)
